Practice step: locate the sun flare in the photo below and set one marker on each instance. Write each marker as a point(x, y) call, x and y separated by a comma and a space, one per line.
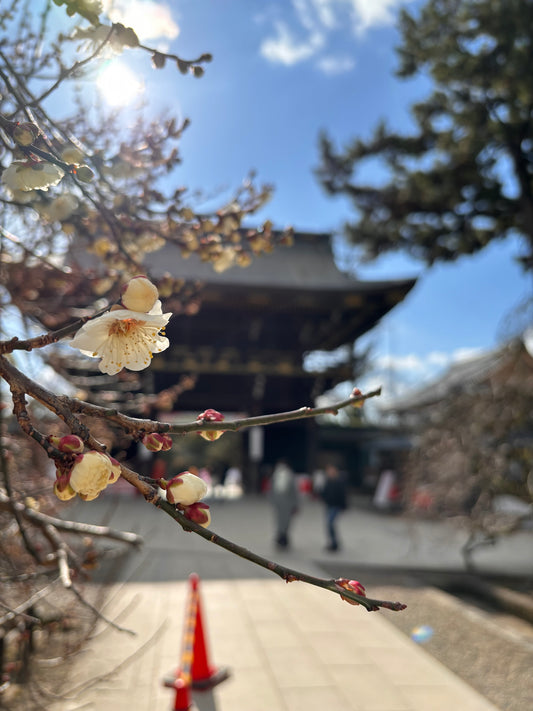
point(118, 85)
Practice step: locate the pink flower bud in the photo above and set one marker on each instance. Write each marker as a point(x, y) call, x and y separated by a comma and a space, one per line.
point(139, 294)
point(352, 585)
point(355, 393)
point(199, 513)
point(54, 440)
point(185, 489)
point(210, 416)
point(71, 444)
point(166, 442)
point(152, 442)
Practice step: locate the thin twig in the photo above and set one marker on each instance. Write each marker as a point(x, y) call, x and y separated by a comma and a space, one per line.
point(288, 574)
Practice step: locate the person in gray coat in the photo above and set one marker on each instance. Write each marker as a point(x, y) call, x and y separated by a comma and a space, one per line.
point(284, 497)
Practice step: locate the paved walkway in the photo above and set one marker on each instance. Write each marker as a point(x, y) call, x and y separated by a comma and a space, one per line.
point(289, 647)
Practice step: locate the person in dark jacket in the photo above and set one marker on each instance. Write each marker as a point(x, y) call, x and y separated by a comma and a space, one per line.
point(334, 497)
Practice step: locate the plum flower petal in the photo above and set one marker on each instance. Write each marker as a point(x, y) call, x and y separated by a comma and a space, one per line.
point(30, 175)
point(123, 338)
point(91, 474)
point(186, 489)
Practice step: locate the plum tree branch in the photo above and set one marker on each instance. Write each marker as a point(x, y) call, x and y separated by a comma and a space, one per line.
point(288, 574)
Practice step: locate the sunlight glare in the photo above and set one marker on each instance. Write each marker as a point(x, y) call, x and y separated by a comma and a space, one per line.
point(118, 85)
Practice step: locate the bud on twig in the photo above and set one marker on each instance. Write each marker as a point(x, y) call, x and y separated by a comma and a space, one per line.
point(210, 415)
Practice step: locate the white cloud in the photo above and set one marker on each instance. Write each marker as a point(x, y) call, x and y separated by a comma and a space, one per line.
point(319, 20)
point(369, 13)
point(284, 48)
point(150, 20)
point(335, 65)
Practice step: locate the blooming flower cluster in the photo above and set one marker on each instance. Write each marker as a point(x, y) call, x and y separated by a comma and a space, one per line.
point(124, 337)
point(185, 491)
point(88, 476)
point(210, 416)
point(31, 175)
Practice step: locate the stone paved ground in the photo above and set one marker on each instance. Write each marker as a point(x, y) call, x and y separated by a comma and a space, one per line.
point(290, 647)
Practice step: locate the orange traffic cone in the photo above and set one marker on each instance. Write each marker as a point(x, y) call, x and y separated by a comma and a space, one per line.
point(204, 675)
point(182, 700)
point(195, 671)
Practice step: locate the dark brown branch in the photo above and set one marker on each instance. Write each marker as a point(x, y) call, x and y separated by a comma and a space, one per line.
point(15, 344)
point(138, 426)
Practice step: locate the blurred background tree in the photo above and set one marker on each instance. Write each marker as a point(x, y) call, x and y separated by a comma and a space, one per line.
point(464, 176)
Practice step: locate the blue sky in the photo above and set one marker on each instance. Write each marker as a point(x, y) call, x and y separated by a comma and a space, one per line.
point(283, 71)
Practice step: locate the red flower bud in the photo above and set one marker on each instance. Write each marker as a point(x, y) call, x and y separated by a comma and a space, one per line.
point(71, 444)
point(166, 442)
point(352, 585)
point(210, 416)
point(199, 513)
point(153, 442)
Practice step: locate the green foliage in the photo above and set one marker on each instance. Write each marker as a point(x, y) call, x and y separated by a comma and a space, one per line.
point(465, 175)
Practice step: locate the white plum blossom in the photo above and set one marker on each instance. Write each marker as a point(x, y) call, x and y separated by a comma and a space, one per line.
point(91, 473)
point(185, 489)
point(71, 154)
point(59, 209)
point(123, 338)
point(116, 37)
point(31, 175)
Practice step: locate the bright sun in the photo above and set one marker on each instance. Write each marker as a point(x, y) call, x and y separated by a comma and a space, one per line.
point(118, 85)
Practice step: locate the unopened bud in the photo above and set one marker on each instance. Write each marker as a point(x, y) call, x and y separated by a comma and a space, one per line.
point(139, 294)
point(25, 134)
point(158, 60)
point(210, 415)
point(84, 173)
point(152, 442)
point(166, 442)
point(356, 393)
point(71, 444)
point(185, 489)
point(54, 440)
point(199, 513)
point(353, 586)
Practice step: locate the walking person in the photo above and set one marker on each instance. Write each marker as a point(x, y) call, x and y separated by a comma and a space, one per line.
point(334, 497)
point(284, 497)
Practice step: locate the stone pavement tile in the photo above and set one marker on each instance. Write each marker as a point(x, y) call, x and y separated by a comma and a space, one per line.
point(253, 690)
point(289, 648)
point(406, 665)
point(372, 691)
point(317, 699)
point(273, 634)
point(296, 666)
point(445, 697)
point(332, 647)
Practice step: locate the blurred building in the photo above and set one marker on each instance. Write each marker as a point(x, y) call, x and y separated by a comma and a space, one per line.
point(244, 348)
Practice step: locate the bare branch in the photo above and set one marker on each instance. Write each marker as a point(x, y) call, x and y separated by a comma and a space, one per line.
point(288, 574)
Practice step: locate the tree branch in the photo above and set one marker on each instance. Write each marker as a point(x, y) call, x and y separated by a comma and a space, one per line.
point(288, 574)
